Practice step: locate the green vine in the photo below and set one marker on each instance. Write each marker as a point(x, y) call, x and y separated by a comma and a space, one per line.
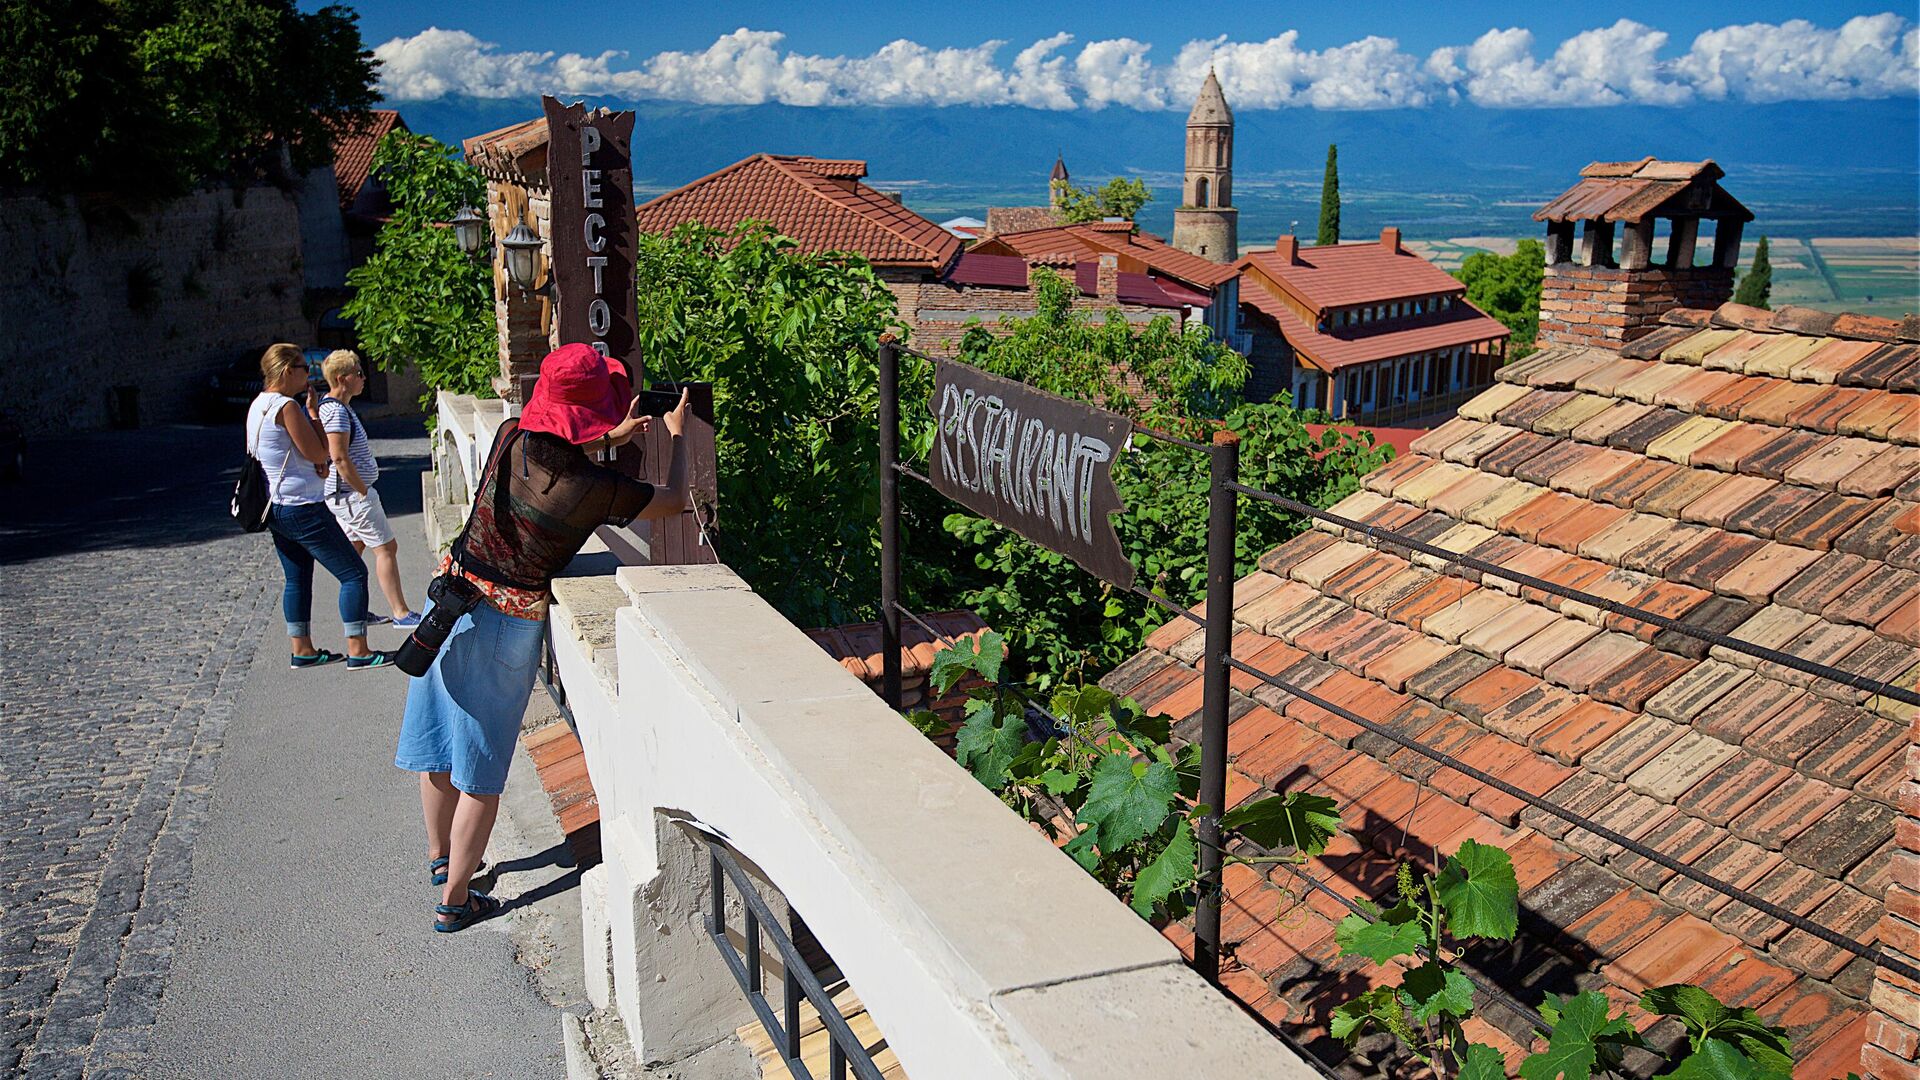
point(1475, 896)
point(1110, 787)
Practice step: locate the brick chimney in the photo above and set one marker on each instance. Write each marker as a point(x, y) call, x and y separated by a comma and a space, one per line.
point(1107, 277)
point(1390, 239)
point(1593, 296)
point(1288, 249)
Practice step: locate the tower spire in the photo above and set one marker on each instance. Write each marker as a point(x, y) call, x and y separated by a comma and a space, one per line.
point(1206, 224)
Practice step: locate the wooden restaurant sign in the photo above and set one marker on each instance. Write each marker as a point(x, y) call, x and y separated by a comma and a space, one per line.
point(1034, 462)
point(590, 176)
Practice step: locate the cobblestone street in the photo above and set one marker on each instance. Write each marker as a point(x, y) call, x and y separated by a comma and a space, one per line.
point(134, 610)
point(131, 604)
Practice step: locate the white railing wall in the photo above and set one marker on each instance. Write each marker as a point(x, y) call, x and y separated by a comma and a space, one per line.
point(979, 950)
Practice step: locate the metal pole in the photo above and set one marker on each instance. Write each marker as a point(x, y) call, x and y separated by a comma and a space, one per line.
point(1222, 523)
point(889, 521)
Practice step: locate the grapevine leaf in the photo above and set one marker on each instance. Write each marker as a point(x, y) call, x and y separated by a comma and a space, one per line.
point(1706, 1018)
point(1127, 799)
point(1697, 1010)
point(1435, 990)
point(1297, 820)
point(1482, 1063)
point(1170, 871)
point(927, 722)
point(1081, 850)
point(1028, 761)
point(1717, 1060)
point(1059, 782)
point(1379, 1005)
point(1480, 892)
point(1379, 941)
point(1583, 1035)
point(981, 654)
point(988, 742)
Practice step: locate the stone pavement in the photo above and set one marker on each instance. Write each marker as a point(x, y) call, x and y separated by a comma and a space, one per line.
point(210, 861)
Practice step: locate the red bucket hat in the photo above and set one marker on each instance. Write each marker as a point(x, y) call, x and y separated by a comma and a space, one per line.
point(578, 396)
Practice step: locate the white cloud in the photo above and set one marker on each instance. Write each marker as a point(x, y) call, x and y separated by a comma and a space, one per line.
point(1868, 56)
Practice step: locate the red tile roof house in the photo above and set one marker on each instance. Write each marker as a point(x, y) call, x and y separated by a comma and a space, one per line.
point(824, 206)
point(1151, 272)
point(1752, 473)
point(363, 198)
point(1369, 332)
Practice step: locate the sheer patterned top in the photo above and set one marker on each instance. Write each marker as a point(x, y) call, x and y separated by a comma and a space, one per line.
point(539, 499)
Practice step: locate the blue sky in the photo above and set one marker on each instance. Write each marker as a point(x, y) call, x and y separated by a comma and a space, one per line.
point(1127, 53)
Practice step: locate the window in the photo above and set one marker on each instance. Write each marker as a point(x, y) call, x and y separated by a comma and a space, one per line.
point(1200, 192)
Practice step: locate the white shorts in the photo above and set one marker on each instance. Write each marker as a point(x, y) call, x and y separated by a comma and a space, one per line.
point(361, 517)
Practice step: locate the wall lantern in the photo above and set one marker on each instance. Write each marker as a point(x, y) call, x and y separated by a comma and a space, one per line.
point(469, 229)
point(522, 256)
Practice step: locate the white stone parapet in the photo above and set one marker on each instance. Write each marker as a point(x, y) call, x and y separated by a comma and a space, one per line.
point(978, 948)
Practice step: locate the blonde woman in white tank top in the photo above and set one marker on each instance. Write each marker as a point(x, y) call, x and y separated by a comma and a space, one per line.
point(286, 440)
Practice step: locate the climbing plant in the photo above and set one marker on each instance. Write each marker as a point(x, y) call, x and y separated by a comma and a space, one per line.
point(1475, 896)
point(1107, 784)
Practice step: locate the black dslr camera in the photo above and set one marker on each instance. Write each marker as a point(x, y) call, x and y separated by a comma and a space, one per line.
point(452, 596)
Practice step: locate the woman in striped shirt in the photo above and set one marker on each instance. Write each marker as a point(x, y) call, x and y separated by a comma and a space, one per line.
point(350, 492)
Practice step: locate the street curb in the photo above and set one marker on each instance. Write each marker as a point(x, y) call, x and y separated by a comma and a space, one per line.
point(580, 1064)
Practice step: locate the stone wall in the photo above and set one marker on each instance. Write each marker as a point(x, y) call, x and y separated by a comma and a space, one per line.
point(1608, 306)
point(100, 294)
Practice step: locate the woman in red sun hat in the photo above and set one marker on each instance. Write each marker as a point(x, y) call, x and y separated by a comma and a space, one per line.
point(539, 499)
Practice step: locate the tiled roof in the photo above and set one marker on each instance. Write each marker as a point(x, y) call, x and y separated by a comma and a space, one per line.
point(1759, 482)
point(1131, 288)
point(818, 202)
point(1632, 190)
point(1339, 275)
point(973, 268)
point(515, 152)
point(353, 152)
point(1067, 244)
point(1463, 324)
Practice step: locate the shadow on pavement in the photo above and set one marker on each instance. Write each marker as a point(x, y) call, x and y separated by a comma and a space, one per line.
point(161, 487)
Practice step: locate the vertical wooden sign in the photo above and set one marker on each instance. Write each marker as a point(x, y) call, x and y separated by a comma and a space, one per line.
point(590, 175)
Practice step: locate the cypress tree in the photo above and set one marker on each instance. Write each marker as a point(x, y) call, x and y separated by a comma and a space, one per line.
point(1756, 285)
point(1330, 199)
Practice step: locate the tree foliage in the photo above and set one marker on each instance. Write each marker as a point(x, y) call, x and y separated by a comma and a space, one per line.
point(1330, 199)
point(1507, 287)
point(419, 300)
point(789, 341)
point(153, 98)
point(1066, 625)
point(1120, 197)
point(1756, 285)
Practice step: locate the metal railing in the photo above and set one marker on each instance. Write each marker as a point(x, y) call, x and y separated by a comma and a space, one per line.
point(797, 980)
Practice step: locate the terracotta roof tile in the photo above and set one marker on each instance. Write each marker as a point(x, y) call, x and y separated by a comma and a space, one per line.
point(821, 204)
point(1824, 520)
point(353, 149)
point(1878, 367)
point(1732, 498)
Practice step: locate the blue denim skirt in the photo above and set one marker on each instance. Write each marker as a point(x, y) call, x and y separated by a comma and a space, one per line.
point(464, 714)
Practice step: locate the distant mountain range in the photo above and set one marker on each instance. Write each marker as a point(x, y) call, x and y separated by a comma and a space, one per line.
point(1844, 168)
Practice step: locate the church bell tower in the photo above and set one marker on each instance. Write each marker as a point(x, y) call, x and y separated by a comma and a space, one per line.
point(1206, 224)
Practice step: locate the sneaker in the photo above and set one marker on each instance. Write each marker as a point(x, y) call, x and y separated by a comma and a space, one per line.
point(374, 659)
point(317, 659)
point(377, 620)
point(406, 622)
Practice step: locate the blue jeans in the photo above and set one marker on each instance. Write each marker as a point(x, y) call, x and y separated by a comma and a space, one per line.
point(305, 533)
